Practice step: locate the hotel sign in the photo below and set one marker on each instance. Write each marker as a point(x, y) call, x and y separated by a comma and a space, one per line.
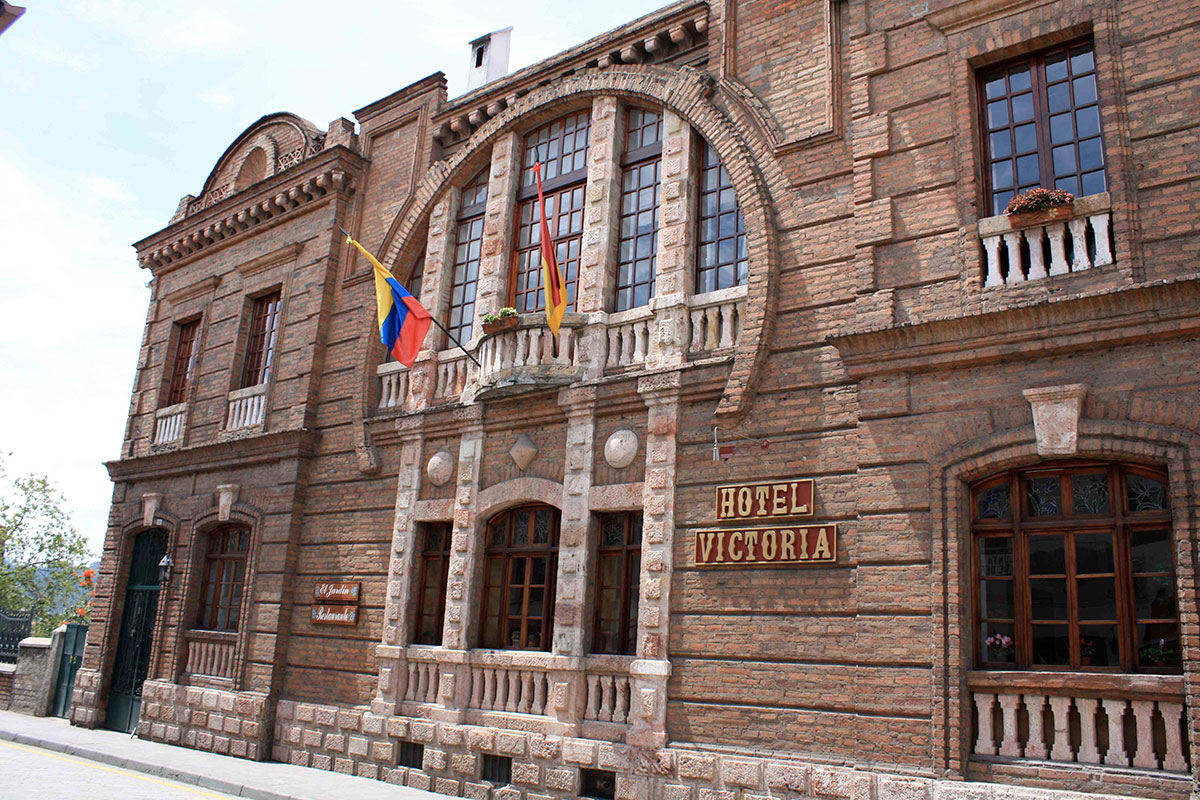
point(775, 500)
point(803, 544)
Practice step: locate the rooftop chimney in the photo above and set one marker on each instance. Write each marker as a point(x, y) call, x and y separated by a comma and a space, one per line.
point(489, 58)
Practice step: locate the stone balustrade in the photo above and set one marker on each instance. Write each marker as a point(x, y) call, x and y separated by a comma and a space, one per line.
point(453, 369)
point(715, 320)
point(609, 690)
point(510, 689)
point(1050, 248)
point(422, 683)
point(528, 356)
point(210, 653)
point(247, 407)
point(629, 338)
point(1112, 720)
point(393, 385)
point(168, 423)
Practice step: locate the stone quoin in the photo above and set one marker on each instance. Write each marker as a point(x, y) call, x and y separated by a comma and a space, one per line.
point(834, 482)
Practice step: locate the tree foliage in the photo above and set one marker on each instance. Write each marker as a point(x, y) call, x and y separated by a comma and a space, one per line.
point(40, 551)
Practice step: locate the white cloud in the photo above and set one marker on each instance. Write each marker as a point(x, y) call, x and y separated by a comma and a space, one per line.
point(166, 30)
point(107, 188)
point(217, 98)
point(51, 53)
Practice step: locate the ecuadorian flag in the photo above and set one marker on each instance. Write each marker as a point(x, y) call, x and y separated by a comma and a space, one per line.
point(552, 278)
point(403, 321)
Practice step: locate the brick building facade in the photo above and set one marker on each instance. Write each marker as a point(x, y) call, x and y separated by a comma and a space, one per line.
point(781, 227)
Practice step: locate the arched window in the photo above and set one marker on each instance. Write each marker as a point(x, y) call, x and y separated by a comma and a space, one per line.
point(520, 569)
point(562, 149)
point(467, 252)
point(638, 236)
point(1074, 569)
point(224, 576)
point(721, 256)
point(253, 170)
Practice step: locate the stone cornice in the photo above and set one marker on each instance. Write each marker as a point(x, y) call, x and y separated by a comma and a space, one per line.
point(1042, 328)
point(970, 13)
point(193, 290)
point(234, 454)
point(332, 172)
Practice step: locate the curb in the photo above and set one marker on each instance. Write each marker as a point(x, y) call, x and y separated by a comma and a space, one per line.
point(157, 770)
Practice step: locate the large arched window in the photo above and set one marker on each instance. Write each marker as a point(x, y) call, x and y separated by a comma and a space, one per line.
point(467, 252)
point(224, 576)
point(519, 575)
point(722, 260)
point(638, 235)
point(562, 149)
point(1074, 568)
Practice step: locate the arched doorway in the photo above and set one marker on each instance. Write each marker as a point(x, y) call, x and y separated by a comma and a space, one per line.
point(137, 631)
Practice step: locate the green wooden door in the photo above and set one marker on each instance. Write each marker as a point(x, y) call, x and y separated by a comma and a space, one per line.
point(68, 665)
point(137, 631)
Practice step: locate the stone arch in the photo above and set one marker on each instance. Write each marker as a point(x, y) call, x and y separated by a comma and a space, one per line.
point(515, 492)
point(952, 471)
point(696, 98)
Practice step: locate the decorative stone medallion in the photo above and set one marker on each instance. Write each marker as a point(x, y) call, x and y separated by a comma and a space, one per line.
point(440, 468)
point(524, 451)
point(621, 448)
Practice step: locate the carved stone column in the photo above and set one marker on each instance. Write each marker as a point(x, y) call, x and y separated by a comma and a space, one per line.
point(601, 206)
point(676, 257)
point(396, 633)
point(651, 670)
point(491, 292)
point(435, 294)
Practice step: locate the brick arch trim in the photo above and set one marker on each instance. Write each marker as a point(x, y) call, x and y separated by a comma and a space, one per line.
point(1114, 440)
point(516, 492)
point(695, 97)
point(257, 135)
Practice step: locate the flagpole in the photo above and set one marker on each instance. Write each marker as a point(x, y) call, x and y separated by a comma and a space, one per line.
point(432, 318)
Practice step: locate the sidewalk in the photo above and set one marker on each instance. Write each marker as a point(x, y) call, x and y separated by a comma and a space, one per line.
point(235, 776)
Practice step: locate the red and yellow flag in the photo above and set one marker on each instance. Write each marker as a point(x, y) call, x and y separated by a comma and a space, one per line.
point(552, 278)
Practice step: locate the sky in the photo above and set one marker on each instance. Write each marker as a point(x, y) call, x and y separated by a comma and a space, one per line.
point(111, 111)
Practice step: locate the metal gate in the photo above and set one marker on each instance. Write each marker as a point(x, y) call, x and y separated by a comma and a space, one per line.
point(72, 656)
point(14, 626)
point(137, 631)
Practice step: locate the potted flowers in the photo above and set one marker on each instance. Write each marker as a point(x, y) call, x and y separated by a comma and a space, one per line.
point(1157, 655)
point(1039, 206)
point(503, 320)
point(1087, 649)
point(999, 647)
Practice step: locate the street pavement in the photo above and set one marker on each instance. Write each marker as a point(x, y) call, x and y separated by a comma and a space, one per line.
point(42, 757)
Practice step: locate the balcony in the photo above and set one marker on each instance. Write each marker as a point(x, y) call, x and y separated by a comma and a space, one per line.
point(210, 654)
point(168, 424)
point(1080, 718)
point(393, 385)
point(528, 357)
point(1048, 249)
point(247, 407)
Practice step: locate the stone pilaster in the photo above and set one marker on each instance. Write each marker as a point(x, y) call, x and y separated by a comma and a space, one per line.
point(602, 205)
point(503, 180)
point(435, 293)
point(651, 669)
point(676, 257)
point(396, 633)
point(570, 630)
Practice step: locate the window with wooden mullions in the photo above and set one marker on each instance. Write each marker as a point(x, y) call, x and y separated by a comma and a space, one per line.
point(468, 251)
point(638, 234)
point(224, 576)
point(435, 570)
point(260, 344)
point(521, 564)
point(620, 562)
point(722, 258)
point(1041, 125)
point(184, 361)
point(1074, 569)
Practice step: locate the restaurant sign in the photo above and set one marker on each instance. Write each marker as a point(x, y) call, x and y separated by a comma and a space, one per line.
point(804, 544)
point(336, 591)
point(335, 615)
point(774, 500)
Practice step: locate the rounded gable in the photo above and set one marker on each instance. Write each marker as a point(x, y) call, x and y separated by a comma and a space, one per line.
point(272, 144)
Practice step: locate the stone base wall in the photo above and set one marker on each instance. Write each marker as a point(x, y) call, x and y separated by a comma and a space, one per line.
point(6, 683)
point(358, 742)
point(33, 680)
point(85, 700)
point(220, 721)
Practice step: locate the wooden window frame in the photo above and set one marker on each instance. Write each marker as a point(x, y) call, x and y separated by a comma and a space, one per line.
point(467, 259)
point(1040, 87)
point(628, 553)
point(1020, 527)
point(227, 548)
point(183, 362)
point(740, 263)
point(435, 563)
point(642, 125)
point(506, 554)
point(261, 339)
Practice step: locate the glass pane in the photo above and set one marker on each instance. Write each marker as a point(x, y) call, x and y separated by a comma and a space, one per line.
point(997, 113)
point(1081, 60)
point(533, 636)
point(1022, 108)
point(517, 574)
point(541, 526)
point(1097, 599)
point(1047, 555)
point(1001, 144)
point(1098, 646)
point(1093, 183)
point(1091, 154)
point(1151, 551)
point(1158, 644)
point(614, 530)
point(538, 573)
point(1144, 494)
point(516, 601)
point(1069, 184)
point(997, 644)
point(536, 600)
point(994, 88)
point(1002, 176)
point(1061, 129)
point(1059, 97)
point(1048, 598)
point(1087, 121)
point(1045, 496)
point(996, 599)
point(1056, 67)
point(1085, 90)
point(1093, 553)
point(1019, 80)
point(1154, 597)
point(1064, 159)
point(1089, 494)
point(1026, 138)
point(1027, 170)
point(995, 557)
point(1051, 645)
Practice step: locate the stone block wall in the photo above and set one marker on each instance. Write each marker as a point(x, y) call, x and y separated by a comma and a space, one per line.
point(37, 668)
point(6, 683)
point(219, 721)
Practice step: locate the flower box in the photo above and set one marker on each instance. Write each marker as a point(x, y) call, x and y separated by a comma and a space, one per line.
point(500, 325)
point(1027, 219)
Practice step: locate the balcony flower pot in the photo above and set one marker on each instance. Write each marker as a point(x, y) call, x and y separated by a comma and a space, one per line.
point(1039, 206)
point(1028, 219)
point(501, 324)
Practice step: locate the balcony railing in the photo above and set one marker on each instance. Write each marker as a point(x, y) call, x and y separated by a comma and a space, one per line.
point(528, 356)
point(210, 653)
point(168, 423)
point(1113, 720)
point(393, 385)
point(1050, 248)
point(423, 673)
point(247, 407)
point(609, 689)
